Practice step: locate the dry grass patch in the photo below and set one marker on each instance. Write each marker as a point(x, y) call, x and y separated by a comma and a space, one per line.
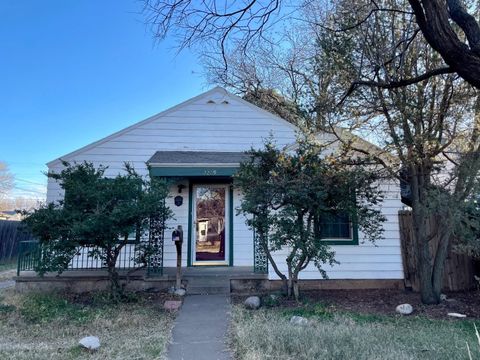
point(7, 275)
point(267, 334)
point(8, 269)
point(39, 327)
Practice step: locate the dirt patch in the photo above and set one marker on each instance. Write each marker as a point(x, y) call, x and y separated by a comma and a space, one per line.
point(384, 302)
point(156, 298)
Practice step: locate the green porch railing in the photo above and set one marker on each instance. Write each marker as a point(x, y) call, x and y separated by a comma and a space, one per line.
point(30, 253)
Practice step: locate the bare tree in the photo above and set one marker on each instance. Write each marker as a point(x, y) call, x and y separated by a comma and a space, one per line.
point(431, 126)
point(449, 26)
point(6, 179)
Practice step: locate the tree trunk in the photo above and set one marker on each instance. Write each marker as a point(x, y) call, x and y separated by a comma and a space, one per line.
point(290, 280)
point(115, 287)
point(264, 244)
point(116, 290)
point(441, 255)
point(425, 258)
point(296, 289)
point(434, 21)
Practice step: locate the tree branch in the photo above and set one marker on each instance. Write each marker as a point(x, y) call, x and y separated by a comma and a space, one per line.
point(467, 23)
point(395, 84)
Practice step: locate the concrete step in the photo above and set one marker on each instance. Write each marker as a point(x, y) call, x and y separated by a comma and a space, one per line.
point(207, 290)
point(207, 281)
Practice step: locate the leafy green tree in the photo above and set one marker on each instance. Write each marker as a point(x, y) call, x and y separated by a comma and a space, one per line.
point(98, 213)
point(289, 195)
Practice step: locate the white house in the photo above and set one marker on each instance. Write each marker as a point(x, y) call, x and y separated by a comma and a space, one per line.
point(199, 145)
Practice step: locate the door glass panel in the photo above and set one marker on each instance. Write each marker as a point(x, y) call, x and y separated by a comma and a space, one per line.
point(210, 223)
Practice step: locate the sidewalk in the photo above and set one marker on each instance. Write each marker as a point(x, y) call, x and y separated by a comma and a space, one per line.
point(201, 329)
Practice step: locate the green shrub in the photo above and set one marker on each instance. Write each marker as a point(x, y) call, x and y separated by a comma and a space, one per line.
point(6, 308)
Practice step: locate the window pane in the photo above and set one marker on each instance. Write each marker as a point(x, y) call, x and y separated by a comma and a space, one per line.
point(335, 226)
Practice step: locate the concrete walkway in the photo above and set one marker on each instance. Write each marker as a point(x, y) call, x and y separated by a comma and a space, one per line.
point(200, 329)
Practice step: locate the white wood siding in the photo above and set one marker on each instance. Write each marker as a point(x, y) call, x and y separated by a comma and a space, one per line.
point(196, 125)
point(382, 260)
point(242, 236)
point(199, 125)
point(180, 218)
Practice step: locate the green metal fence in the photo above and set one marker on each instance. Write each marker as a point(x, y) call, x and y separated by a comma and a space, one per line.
point(30, 253)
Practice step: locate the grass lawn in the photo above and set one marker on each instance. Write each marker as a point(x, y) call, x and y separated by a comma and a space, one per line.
point(8, 269)
point(267, 334)
point(39, 327)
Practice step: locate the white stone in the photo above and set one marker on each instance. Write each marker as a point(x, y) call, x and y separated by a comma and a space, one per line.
point(443, 297)
point(90, 342)
point(180, 292)
point(252, 303)
point(404, 309)
point(298, 320)
point(457, 315)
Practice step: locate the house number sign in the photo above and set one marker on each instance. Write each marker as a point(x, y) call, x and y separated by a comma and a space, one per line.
point(209, 172)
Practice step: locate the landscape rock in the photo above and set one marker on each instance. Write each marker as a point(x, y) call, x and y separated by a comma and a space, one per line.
point(404, 309)
point(90, 342)
point(298, 320)
point(180, 292)
point(443, 297)
point(172, 305)
point(252, 303)
point(457, 315)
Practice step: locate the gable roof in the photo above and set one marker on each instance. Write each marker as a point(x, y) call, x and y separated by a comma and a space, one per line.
point(219, 91)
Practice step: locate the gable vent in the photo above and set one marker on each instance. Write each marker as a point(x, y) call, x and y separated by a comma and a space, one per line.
point(211, 102)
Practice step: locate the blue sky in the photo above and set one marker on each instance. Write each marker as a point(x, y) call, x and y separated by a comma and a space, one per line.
point(72, 72)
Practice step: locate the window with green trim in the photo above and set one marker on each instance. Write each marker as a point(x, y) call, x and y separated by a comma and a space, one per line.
point(337, 228)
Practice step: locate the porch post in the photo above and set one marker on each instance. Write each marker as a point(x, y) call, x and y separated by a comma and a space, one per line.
point(156, 239)
point(260, 259)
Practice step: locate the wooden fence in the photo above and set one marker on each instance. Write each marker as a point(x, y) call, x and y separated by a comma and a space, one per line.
point(459, 269)
point(11, 233)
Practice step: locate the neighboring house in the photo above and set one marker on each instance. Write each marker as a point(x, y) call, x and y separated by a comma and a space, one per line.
point(10, 215)
point(199, 144)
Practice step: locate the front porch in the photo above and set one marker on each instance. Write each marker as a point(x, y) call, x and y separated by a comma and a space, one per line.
point(197, 280)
